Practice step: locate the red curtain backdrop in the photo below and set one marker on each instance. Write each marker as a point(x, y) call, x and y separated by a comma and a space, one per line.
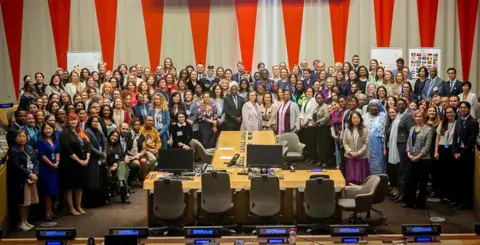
point(383, 21)
point(199, 21)
point(292, 20)
point(339, 10)
point(467, 19)
point(12, 12)
point(153, 18)
point(246, 11)
point(107, 25)
point(427, 21)
point(60, 18)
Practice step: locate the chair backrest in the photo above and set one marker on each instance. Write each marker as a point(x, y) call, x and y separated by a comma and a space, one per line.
point(265, 196)
point(216, 192)
point(382, 190)
point(366, 195)
point(293, 142)
point(198, 148)
point(319, 198)
point(168, 199)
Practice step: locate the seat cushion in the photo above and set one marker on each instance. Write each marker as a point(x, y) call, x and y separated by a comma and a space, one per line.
point(347, 203)
point(294, 154)
point(210, 151)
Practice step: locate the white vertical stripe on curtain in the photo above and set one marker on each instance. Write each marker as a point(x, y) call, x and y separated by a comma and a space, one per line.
point(84, 34)
point(7, 93)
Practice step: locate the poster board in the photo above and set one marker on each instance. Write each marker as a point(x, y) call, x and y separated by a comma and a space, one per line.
point(428, 57)
point(386, 57)
point(83, 59)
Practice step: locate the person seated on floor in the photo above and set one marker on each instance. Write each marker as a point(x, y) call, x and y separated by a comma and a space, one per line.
point(126, 144)
point(116, 162)
point(181, 132)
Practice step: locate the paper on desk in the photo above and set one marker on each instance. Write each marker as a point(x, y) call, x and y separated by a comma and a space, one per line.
point(225, 148)
point(226, 157)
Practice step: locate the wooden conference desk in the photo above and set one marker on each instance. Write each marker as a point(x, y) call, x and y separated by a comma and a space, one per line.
point(228, 145)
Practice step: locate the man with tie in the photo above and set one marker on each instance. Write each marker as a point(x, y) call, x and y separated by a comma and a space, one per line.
point(126, 141)
point(464, 141)
point(241, 69)
point(431, 85)
point(159, 74)
point(232, 105)
point(452, 86)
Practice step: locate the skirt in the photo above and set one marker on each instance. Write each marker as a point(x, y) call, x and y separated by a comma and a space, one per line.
point(30, 194)
point(357, 170)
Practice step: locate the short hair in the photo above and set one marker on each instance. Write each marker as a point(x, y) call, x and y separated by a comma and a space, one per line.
point(240, 63)
point(452, 69)
point(466, 103)
point(469, 84)
point(355, 55)
point(455, 96)
point(400, 60)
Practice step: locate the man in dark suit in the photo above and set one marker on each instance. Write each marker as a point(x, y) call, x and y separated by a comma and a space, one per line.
point(452, 86)
point(464, 141)
point(241, 69)
point(232, 105)
point(20, 120)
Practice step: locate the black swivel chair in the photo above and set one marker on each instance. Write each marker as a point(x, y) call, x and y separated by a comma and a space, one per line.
point(319, 202)
point(265, 199)
point(168, 205)
point(216, 198)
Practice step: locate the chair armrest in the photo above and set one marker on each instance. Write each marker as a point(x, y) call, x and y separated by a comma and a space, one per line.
point(301, 189)
point(363, 202)
point(282, 189)
point(199, 191)
point(301, 145)
point(237, 189)
point(186, 191)
point(352, 191)
point(247, 188)
point(285, 151)
point(284, 143)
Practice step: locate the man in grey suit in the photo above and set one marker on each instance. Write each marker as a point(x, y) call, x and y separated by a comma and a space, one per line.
point(432, 85)
point(232, 106)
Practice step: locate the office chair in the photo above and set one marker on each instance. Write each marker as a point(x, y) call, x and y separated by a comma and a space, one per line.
point(216, 198)
point(201, 154)
point(380, 194)
point(168, 204)
point(295, 148)
point(265, 199)
point(318, 202)
point(359, 199)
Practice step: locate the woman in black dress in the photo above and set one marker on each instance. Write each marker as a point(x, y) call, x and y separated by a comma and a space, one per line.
point(182, 132)
point(96, 191)
point(75, 154)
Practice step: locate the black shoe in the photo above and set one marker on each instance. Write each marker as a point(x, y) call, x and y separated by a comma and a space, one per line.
point(405, 205)
point(126, 199)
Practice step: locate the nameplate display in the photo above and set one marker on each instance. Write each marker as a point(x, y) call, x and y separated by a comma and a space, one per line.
point(348, 230)
point(274, 231)
point(7, 105)
point(276, 241)
point(202, 231)
point(55, 243)
point(140, 232)
point(56, 234)
point(421, 230)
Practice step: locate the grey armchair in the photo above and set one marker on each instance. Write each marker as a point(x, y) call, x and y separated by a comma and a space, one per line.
point(201, 154)
point(295, 148)
point(359, 199)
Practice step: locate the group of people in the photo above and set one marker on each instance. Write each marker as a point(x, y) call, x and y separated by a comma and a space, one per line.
point(88, 134)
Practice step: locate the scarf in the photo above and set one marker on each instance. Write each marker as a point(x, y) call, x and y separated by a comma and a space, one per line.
point(281, 116)
point(393, 154)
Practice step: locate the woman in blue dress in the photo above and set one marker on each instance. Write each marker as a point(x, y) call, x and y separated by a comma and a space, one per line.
point(374, 120)
point(49, 158)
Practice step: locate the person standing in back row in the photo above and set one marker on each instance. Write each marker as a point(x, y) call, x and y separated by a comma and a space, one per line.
point(464, 139)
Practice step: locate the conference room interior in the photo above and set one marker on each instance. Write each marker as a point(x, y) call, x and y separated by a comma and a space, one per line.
point(240, 37)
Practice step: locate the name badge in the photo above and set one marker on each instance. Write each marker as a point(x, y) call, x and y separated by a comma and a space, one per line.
point(388, 145)
point(117, 157)
point(446, 145)
point(53, 157)
point(188, 112)
point(179, 133)
point(414, 151)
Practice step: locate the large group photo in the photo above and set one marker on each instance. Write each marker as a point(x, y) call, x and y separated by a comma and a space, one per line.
point(283, 128)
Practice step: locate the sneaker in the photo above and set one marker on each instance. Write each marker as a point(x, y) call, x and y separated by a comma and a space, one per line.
point(24, 227)
point(29, 225)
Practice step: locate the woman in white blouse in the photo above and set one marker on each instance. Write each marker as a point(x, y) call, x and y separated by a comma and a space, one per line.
point(75, 85)
point(470, 97)
point(444, 153)
point(307, 129)
point(251, 115)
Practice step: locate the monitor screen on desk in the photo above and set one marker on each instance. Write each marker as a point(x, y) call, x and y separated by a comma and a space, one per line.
point(175, 160)
point(265, 156)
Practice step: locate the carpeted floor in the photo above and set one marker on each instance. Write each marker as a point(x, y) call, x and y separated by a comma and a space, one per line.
point(97, 221)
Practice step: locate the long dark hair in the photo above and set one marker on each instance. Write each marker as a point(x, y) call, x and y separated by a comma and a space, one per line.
point(42, 134)
point(445, 119)
point(360, 125)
